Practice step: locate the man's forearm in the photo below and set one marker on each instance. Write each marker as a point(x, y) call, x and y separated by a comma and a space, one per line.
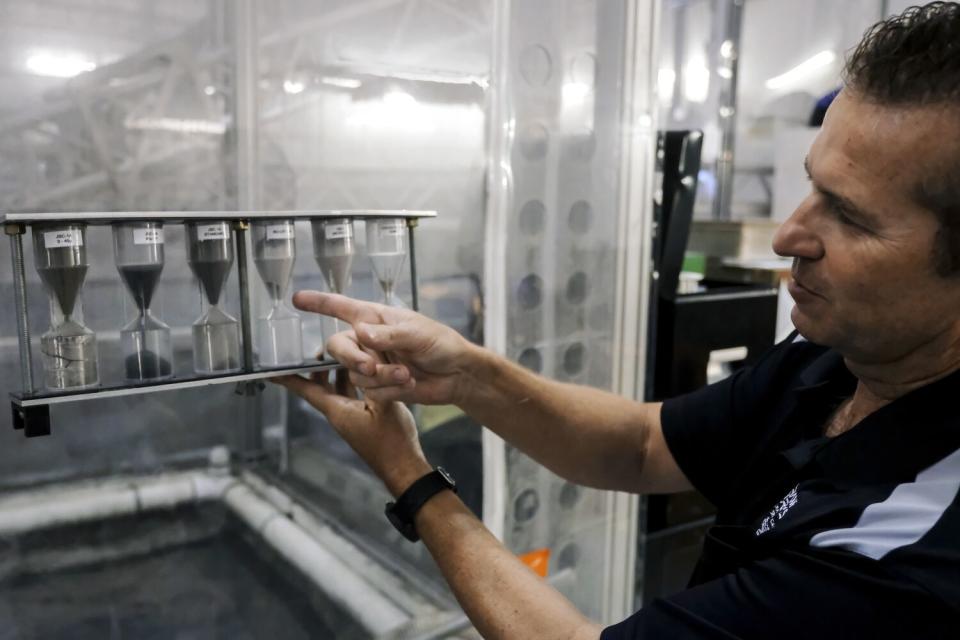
point(501, 596)
point(585, 435)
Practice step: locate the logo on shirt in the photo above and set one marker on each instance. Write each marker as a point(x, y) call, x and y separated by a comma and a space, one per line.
point(777, 513)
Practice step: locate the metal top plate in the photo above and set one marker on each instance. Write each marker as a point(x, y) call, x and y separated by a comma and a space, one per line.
point(106, 217)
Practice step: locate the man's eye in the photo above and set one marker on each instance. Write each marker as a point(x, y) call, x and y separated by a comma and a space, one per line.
point(842, 216)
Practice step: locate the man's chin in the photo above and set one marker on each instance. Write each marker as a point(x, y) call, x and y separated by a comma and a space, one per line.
point(812, 330)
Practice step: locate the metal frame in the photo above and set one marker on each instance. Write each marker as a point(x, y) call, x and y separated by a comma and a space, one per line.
point(119, 390)
point(30, 407)
point(107, 217)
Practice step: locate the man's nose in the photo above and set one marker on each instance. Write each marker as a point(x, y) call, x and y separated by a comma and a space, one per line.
point(795, 238)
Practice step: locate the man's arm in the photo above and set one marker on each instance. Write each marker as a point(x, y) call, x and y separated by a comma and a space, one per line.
point(501, 595)
point(588, 436)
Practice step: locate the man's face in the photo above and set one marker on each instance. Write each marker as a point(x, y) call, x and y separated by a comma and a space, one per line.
point(864, 280)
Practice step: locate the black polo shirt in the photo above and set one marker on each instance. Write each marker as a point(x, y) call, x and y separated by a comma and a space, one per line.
point(856, 536)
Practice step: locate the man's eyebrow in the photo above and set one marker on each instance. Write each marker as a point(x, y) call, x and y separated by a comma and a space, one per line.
point(844, 203)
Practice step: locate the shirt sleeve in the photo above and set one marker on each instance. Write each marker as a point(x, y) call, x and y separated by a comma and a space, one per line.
point(793, 597)
point(714, 431)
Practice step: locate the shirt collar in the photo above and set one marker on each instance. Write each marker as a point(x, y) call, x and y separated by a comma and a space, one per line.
point(894, 443)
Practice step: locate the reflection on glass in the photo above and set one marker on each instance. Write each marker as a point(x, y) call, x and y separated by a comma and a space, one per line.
point(147, 351)
point(274, 253)
point(69, 348)
point(387, 248)
point(216, 334)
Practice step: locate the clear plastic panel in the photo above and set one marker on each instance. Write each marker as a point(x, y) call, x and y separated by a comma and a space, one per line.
point(565, 85)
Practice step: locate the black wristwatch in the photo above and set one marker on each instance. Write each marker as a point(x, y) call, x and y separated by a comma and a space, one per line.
point(401, 513)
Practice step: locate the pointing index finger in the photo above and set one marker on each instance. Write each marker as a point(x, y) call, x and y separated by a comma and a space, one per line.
point(337, 306)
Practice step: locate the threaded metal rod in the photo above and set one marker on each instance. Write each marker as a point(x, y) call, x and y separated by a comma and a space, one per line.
point(414, 289)
point(242, 277)
point(20, 296)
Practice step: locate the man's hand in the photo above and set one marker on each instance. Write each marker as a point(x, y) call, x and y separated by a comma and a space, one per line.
point(383, 434)
point(394, 354)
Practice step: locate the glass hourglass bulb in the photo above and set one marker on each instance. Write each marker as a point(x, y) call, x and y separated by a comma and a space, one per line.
point(279, 332)
point(70, 356)
point(216, 334)
point(387, 248)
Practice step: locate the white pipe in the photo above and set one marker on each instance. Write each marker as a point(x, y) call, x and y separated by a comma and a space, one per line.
point(362, 601)
point(49, 507)
point(98, 500)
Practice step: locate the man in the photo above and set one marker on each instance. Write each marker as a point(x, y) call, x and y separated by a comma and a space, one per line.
point(834, 462)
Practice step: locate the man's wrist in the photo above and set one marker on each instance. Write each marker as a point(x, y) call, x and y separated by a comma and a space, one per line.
point(476, 376)
point(399, 480)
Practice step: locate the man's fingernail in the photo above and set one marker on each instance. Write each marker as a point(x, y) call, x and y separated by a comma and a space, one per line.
point(399, 375)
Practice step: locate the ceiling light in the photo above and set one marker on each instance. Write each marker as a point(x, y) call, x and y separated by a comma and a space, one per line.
point(696, 81)
point(802, 70)
point(399, 100)
point(58, 66)
point(666, 80)
point(293, 87)
point(345, 83)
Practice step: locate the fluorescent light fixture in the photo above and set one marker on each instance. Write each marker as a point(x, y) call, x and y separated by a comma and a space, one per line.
point(575, 93)
point(399, 100)
point(802, 70)
point(177, 125)
point(345, 83)
point(293, 87)
point(209, 90)
point(397, 111)
point(58, 66)
point(696, 81)
point(666, 81)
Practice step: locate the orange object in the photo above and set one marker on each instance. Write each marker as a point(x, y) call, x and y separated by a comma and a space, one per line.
point(538, 560)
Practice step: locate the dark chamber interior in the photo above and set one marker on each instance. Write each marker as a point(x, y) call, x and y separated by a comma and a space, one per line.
point(188, 573)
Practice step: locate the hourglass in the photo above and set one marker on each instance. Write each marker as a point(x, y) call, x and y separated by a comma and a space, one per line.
point(69, 348)
point(274, 252)
point(138, 249)
point(387, 248)
point(334, 248)
point(216, 334)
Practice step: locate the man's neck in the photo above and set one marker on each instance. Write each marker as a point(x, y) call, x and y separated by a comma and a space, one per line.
point(879, 384)
point(883, 382)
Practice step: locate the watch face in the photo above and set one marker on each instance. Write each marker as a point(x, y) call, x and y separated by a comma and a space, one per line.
point(446, 476)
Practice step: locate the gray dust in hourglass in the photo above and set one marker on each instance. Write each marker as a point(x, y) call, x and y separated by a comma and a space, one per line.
point(65, 283)
point(212, 275)
point(141, 280)
point(336, 271)
point(387, 267)
point(275, 273)
point(144, 363)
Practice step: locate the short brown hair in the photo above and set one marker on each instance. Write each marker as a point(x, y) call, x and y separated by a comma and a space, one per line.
point(913, 59)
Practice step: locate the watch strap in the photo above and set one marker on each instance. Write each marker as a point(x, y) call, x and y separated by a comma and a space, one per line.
point(402, 512)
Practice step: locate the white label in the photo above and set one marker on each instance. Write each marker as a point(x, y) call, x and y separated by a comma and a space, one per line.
point(148, 236)
point(337, 231)
point(60, 239)
point(392, 228)
point(279, 232)
point(212, 232)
